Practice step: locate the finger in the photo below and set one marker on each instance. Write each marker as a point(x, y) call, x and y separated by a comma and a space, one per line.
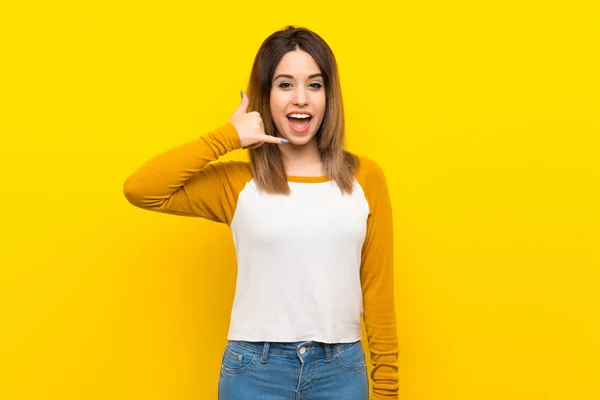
point(266, 139)
point(273, 139)
point(243, 105)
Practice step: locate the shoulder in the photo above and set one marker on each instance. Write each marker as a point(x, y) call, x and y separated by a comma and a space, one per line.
point(233, 169)
point(368, 170)
point(371, 178)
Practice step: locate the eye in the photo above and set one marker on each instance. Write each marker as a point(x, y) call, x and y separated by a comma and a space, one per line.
point(286, 85)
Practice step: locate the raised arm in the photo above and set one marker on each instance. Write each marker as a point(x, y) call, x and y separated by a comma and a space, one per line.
point(377, 282)
point(182, 181)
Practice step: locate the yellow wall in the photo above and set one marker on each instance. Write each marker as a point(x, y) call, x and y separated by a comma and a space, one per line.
point(483, 114)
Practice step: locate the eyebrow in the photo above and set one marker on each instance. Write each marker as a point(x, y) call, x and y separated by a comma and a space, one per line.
point(291, 77)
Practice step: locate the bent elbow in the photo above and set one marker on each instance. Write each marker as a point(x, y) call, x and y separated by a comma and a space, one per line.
point(132, 192)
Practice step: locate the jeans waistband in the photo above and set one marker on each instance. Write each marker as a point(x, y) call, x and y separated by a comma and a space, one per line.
point(302, 349)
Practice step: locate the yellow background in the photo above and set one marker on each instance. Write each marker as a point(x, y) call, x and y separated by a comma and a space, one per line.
point(484, 115)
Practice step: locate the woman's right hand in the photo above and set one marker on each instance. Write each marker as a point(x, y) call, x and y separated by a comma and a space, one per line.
point(250, 127)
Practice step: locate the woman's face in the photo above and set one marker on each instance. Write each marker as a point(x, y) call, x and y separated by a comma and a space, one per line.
point(297, 88)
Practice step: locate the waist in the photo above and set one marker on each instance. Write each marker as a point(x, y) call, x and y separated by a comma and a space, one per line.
point(292, 349)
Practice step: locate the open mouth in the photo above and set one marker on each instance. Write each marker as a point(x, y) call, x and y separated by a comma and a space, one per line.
point(299, 124)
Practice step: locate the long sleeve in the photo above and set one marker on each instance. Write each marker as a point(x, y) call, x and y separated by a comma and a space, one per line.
point(181, 181)
point(377, 282)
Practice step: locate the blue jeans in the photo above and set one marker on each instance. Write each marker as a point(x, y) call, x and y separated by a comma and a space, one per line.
point(291, 371)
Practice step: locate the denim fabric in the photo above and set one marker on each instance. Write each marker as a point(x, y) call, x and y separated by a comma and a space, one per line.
point(288, 371)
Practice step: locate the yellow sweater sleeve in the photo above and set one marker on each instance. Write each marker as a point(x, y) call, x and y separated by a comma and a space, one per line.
point(181, 181)
point(377, 282)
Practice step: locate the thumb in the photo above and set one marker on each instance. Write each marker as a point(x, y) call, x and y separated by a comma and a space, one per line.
point(243, 105)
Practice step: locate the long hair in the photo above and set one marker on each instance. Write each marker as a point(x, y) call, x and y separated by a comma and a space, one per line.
point(266, 160)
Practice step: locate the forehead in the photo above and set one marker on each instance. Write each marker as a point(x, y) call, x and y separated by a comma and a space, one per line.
point(297, 63)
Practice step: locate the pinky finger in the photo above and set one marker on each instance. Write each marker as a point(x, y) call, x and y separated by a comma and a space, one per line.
point(277, 140)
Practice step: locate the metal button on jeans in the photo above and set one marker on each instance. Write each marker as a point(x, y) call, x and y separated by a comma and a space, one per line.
point(302, 350)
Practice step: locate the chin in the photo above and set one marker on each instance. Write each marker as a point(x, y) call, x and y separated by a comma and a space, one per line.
point(300, 140)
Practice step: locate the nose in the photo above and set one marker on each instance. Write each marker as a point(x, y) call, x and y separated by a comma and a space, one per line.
point(299, 97)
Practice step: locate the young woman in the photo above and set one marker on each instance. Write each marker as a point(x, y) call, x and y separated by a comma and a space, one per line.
point(312, 228)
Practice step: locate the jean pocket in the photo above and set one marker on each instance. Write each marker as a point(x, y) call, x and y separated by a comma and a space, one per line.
point(352, 357)
point(236, 359)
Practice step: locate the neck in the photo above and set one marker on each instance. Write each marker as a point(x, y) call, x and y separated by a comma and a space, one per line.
point(303, 160)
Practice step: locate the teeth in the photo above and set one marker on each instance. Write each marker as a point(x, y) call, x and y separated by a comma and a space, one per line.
point(299, 115)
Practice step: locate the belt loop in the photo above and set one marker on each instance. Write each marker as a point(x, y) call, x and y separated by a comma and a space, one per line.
point(265, 352)
point(327, 352)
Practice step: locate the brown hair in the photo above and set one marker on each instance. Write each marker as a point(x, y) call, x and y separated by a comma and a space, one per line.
point(266, 160)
